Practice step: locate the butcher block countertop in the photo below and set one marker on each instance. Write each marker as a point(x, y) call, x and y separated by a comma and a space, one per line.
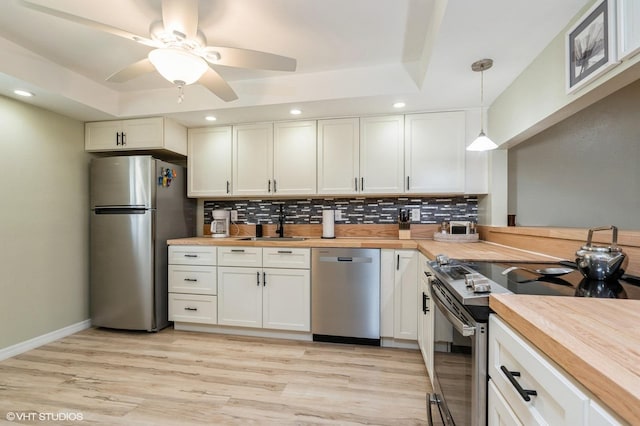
point(465, 251)
point(597, 341)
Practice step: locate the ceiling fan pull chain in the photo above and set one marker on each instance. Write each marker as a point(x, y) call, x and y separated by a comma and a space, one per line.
point(180, 93)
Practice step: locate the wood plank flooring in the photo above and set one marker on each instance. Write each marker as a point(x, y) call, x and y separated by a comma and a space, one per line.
point(182, 378)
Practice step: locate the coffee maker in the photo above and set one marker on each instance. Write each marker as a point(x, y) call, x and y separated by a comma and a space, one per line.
point(220, 223)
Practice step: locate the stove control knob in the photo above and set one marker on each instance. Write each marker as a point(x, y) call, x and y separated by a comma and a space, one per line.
point(477, 283)
point(442, 259)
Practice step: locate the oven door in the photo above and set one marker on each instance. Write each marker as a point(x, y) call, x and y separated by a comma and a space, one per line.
point(459, 364)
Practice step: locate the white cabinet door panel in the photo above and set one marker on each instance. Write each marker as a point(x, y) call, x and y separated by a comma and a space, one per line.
point(209, 162)
point(253, 159)
point(240, 296)
point(338, 156)
point(286, 297)
point(435, 152)
point(405, 319)
point(294, 158)
point(382, 154)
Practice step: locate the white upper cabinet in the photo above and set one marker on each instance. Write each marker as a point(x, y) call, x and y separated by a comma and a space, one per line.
point(381, 155)
point(137, 134)
point(253, 159)
point(209, 162)
point(435, 152)
point(338, 156)
point(294, 158)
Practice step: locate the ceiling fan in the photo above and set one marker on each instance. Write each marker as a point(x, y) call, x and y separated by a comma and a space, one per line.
point(180, 51)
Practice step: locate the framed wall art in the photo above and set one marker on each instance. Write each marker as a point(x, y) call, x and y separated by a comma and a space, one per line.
point(591, 44)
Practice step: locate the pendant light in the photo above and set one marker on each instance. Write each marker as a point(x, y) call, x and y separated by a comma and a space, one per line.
point(482, 142)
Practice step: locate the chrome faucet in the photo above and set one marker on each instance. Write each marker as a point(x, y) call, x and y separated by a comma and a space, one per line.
point(280, 229)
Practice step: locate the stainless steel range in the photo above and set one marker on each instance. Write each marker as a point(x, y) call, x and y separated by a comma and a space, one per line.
point(460, 291)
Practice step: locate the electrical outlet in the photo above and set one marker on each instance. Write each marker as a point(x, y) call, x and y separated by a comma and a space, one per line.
point(234, 215)
point(415, 215)
point(338, 215)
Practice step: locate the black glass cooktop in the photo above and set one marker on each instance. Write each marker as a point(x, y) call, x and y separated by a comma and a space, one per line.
point(573, 284)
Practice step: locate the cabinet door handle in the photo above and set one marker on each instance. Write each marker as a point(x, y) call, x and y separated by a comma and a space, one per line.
point(237, 250)
point(228, 187)
point(361, 184)
point(407, 183)
point(356, 185)
point(191, 280)
point(258, 279)
point(275, 187)
point(190, 255)
point(425, 304)
point(511, 375)
point(398, 263)
point(190, 309)
point(124, 138)
point(117, 138)
point(264, 279)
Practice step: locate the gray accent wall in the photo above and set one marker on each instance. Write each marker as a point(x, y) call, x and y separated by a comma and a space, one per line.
point(583, 171)
point(44, 223)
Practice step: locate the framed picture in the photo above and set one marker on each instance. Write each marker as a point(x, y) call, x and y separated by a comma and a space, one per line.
point(591, 44)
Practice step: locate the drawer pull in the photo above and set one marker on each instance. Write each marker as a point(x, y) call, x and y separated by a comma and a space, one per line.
point(190, 255)
point(237, 250)
point(190, 309)
point(191, 280)
point(511, 375)
point(285, 252)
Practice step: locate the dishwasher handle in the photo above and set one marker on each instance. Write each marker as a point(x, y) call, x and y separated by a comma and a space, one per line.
point(342, 259)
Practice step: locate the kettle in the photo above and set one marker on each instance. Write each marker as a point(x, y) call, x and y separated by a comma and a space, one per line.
point(601, 262)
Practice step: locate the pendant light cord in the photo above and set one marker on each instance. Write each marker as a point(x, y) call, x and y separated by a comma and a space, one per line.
point(482, 101)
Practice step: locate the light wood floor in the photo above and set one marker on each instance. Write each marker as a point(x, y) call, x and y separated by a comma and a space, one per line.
point(176, 377)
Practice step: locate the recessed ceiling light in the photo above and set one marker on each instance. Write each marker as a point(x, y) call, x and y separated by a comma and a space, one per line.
point(20, 92)
point(295, 111)
point(210, 118)
point(399, 105)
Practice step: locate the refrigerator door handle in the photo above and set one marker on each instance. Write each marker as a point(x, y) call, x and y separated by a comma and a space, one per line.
point(120, 210)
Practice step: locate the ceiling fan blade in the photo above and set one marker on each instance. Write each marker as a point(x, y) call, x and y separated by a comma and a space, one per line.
point(89, 23)
point(181, 16)
point(245, 58)
point(214, 82)
point(134, 70)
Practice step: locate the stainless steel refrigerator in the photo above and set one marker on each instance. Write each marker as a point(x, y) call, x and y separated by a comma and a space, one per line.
point(137, 203)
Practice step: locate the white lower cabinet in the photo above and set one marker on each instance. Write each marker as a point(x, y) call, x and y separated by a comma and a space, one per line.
point(425, 316)
point(405, 306)
point(517, 369)
point(192, 284)
point(261, 296)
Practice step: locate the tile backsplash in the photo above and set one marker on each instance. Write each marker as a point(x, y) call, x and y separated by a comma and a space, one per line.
point(354, 210)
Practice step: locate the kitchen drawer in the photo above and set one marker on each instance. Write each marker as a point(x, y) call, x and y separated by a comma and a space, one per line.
point(295, 258)
point(193, 308)
point(192, 255)
point(558, 401)
point(240, 256)
point(499, 412)
point(192, 279)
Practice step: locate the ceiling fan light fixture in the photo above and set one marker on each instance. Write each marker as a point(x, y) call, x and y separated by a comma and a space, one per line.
point(177, 65)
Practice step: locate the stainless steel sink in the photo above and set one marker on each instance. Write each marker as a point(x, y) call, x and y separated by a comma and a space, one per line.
point(273, 239)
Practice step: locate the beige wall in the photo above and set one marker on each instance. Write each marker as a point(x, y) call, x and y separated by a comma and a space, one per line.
point(44, 222)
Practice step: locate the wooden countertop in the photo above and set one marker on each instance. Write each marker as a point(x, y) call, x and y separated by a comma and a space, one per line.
point(466, 251)
point(597, 341)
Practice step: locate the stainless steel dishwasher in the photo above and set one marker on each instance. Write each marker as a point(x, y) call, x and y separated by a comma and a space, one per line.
point(345, 295)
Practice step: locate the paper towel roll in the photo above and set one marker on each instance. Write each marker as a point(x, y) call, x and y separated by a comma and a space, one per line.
point(328, 221)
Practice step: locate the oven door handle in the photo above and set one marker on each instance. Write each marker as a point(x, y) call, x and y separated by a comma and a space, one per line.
point(462, 327)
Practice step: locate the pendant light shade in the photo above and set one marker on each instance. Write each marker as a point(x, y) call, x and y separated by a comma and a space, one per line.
point(482, 142)
point(177, 65)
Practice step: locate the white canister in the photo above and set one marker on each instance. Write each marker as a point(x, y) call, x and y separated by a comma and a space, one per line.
point(328, 222)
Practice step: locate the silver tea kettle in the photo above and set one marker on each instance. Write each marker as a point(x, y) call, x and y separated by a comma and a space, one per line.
point(601, 262)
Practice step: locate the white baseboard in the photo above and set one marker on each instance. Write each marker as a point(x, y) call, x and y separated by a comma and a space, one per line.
point(27, 345)
point(390, 342)
point(239, 331)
